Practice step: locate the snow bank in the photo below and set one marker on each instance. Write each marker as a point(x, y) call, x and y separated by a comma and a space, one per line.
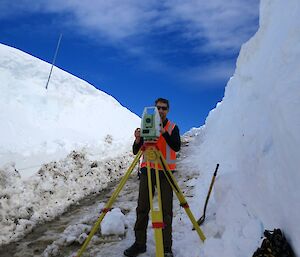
point(254, 135)
point(39, 125)
point(46, 195)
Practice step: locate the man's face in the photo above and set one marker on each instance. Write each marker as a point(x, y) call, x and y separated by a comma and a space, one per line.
point(162, 109)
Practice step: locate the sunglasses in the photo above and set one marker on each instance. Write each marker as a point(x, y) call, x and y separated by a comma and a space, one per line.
point(164, 108)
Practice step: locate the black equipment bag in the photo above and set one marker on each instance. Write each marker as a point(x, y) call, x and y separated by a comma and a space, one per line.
point(274, 244)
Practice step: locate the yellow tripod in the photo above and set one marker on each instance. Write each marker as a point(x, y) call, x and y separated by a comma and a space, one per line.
point(152, 154)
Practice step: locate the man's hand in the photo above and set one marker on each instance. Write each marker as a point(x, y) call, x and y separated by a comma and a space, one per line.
point(137, 134)
point(162, 130)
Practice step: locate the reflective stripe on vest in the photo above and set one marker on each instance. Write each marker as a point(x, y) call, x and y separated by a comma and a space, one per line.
point(168, 153)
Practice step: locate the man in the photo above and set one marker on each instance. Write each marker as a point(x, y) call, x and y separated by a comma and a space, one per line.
point(168, 143)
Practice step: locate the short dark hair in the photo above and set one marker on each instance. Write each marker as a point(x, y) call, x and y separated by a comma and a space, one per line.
point(163, 100)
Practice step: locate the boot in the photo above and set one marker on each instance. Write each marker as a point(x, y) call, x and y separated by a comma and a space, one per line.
point(168, 252)
point(135, 250)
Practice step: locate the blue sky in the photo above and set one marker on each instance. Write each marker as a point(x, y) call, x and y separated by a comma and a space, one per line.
point(135, 50)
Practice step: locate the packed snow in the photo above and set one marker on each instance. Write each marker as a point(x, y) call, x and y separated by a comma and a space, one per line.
point(57, 145)
point(253, 134)
point(39, 125)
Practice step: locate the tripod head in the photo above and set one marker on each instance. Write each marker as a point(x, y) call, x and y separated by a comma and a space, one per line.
point(150, 124)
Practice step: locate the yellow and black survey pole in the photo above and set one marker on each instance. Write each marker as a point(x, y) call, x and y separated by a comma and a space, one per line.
point(202, 218)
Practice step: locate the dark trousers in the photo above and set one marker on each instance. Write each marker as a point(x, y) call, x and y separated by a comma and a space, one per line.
point(143, 208)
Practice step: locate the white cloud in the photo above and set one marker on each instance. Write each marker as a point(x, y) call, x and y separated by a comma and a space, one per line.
point(221, 24)
point(218, 27)
point(13, 9)
point(114, 20)
point(211, 75)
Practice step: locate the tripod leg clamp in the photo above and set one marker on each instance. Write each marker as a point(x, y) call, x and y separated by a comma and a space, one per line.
point(158, 225)
point(105, 210)
point(185, 205)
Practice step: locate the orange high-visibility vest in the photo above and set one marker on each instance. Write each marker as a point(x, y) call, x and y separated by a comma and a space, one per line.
point(168, 153)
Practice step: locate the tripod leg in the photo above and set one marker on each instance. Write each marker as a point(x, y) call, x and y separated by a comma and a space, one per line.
point(158, 218)
point(171, 179)
point(156, 215)
point(109, 203)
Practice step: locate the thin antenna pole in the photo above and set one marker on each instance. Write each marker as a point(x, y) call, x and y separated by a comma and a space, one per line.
point(54, 59)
